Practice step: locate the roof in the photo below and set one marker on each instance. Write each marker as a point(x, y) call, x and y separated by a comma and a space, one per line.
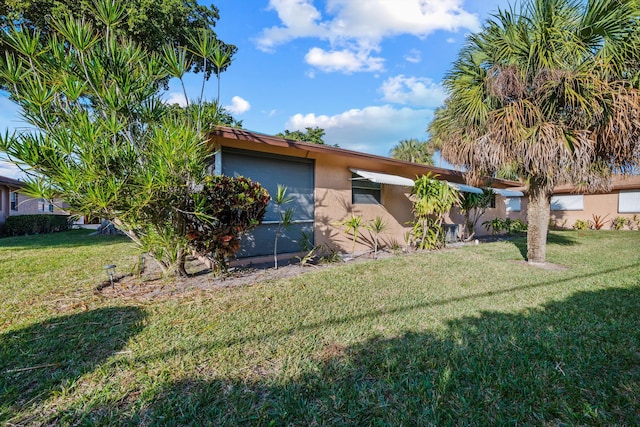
point(245, 135)
point(10, 182)
point(618, 182)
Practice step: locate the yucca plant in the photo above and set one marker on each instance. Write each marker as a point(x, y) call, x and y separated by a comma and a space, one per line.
point(352, 226)
point(285, 218)
point(376, 226)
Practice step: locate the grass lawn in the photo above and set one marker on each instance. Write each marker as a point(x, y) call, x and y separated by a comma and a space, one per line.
point(464, 336)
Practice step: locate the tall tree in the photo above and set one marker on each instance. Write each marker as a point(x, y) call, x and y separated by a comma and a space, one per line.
point(550, 92)
point(102, 139)
point(312, 134)
point(151, 24)
point(412, 150)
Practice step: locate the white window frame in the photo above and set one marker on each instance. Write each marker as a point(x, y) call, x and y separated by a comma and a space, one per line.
point(567, 202)
point(629, 201)
point(513, 204)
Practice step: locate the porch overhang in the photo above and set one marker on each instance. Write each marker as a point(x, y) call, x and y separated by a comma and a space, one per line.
point(383, 178)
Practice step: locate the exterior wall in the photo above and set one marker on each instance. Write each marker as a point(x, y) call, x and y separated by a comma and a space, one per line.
point(499, 211)
point(4, 203)
point(29, 206)
point(604, 205)
point(332, 198)
point(333, 195)
point(333, 205)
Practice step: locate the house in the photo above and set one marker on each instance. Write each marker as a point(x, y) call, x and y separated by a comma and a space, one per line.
point(8, 197)
point(568, 205)
point(13, 202)
point(328, 185)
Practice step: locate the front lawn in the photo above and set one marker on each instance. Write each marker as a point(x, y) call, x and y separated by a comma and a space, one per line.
point(462, 336)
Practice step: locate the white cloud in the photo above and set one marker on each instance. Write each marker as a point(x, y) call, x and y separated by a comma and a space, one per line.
point(176, 98)
point(343, 60)
point(360, 26)
point(414, 56)
point(238, 105)
point(414, 91)
point(372, 129)
point(10, 170)
point(451, 40)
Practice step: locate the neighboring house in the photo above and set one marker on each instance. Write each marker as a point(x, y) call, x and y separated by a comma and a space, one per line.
point(8, 197)
point(328, 185)
point(623, 200)
point(13, 202)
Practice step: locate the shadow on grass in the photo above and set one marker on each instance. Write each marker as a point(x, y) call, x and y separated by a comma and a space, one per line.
point(552, 239)
point(43, 358)
point(574, 362)
point(63, 239)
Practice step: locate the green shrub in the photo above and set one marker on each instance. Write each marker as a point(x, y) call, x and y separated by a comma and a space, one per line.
point(221, 213)
point(581, 224)
point(506, 225)
point(19, 225)
point(618, 223)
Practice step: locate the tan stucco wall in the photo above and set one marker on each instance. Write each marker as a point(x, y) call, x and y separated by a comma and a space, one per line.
point(332, 196)
point(332, 180)
point(333, 205)
point(594, 204)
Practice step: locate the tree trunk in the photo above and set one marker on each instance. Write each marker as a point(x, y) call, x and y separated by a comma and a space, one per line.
point(538, 212)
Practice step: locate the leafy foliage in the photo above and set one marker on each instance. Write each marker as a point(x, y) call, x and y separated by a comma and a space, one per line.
point(505, 225)
point(352, 226)
point(19, 225)
point(598, 221)
point(103, 139)
point(285, 218)
point(150, 24)
point(473, 206)
point(619, 222)
point(412, 150)
point(314, 135)
point(376, 226)
point(549, 92)
point(222, 212)
point(581, 224)
point(432, 199)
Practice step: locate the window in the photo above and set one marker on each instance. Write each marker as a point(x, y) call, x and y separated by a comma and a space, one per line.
point(628, 201)
point(364, 191)
point(44, 206)
point(513, 204)
point(14, 201)
point(567, 202)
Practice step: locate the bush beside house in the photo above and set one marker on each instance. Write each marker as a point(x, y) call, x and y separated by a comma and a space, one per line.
point(36, 224)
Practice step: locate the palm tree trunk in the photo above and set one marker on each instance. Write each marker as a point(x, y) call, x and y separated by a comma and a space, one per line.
point(538, 212)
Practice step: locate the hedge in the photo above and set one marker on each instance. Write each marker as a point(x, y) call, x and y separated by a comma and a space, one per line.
point(19, 225)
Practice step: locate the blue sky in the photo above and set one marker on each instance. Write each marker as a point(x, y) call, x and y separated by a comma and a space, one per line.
point(369, 72)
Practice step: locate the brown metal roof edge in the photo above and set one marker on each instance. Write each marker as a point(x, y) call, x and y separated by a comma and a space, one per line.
point(11, 182)
point(245, 135)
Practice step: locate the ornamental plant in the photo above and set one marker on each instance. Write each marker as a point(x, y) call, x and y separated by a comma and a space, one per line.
point(102, 139)
point(220, 213)
point(432, 199)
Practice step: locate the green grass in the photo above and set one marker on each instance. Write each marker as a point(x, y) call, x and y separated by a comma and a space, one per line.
point(464, 336)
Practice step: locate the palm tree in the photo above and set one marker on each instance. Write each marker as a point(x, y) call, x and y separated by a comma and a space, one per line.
point(550, 92)
point(412, 150)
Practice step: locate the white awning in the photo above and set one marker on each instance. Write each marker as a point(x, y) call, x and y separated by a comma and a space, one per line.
point(383, 178)
point(507, 193)
point(465, 188)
